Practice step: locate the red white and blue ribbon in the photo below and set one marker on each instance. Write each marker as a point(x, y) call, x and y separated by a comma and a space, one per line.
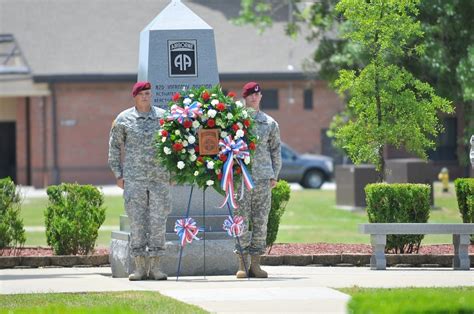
point(233, 149)
point(234, 226)
point(186, 230)
point(188, 112)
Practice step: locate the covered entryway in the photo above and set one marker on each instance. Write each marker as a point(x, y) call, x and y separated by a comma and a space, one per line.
point(7, 150)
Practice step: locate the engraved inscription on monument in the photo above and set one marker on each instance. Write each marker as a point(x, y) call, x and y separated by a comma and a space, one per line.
point(182, 58)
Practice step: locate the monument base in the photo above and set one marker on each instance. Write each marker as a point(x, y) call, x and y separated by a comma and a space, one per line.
point(220, 257)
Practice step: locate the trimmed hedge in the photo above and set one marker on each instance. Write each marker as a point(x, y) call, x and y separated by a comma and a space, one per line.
point(73, 218)
point(12, 232)
point(465, 196)
point(280, 198)
point(399, 203)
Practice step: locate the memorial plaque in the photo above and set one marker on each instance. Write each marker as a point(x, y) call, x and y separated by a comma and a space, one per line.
point(208, 141)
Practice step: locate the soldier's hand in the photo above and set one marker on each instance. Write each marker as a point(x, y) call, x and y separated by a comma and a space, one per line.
point(120, 183)
point(273, 183)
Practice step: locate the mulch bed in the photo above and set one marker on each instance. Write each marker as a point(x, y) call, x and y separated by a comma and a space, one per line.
point(277, 249)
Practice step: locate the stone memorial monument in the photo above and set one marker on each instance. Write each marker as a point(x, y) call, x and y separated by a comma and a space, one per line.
point(472, 151)
point(177, 51)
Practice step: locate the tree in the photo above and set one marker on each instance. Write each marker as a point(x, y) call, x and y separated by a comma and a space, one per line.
point(389, 106)
point(446, 64)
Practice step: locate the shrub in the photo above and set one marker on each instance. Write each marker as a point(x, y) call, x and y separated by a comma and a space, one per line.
point(465, 195)
point(73, 218)
point(399, 203)
point(280, 198)
point(12, 233)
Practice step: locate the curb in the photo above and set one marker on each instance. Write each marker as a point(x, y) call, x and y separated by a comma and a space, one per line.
point(397, 260)
point(407, 260)
point(53, 261)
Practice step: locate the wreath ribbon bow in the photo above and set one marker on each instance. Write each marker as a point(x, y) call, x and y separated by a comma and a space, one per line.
point(188, 112)
point(186, 230)
point(238, 150)
point(233, 226)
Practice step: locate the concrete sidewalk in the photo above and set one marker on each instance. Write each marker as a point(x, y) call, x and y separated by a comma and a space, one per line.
point(289, 288)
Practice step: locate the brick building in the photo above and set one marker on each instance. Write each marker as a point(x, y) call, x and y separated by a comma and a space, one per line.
point(70, 66)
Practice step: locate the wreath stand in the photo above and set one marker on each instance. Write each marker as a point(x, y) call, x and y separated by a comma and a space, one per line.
point(204, 234)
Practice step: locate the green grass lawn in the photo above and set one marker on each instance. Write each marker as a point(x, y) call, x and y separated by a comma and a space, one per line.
point(85, 303)
point(311, 216)
point(411, 300)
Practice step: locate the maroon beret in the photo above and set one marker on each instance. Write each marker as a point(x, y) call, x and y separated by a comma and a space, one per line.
point(139, 86)
point(250, 88)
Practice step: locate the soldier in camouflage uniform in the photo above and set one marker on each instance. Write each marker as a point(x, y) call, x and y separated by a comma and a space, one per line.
point(266, 164)
point(145, 183)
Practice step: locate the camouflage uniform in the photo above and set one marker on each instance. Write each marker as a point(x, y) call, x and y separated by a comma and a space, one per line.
point(146, 190)
point(266, 164)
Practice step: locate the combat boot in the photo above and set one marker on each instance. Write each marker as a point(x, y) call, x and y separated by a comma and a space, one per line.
point(155, 273)
point(241, 273)
point(140, 269)
point(255, 270)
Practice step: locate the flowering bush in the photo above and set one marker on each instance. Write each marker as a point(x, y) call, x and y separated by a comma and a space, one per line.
point(177, 141)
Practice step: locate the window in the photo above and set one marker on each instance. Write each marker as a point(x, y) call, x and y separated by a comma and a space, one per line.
point(446, 142)
point(270, 99)
point(308, 99)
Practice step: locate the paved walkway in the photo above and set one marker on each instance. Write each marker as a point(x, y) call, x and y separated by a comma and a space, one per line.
point(289, 288)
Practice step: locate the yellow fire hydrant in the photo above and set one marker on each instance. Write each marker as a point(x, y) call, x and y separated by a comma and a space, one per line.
point(443, 176)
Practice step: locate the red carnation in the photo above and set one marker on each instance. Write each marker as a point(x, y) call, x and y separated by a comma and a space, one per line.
point(187, 124)
point(238, 170)
point(196, 148)
point(177, 147)
point(235, 127)
point(199, 159)
point(211, 123)
point(220, 106)
point(219, 176)
point(231, 94)
point(162, 121)
point(164, 133)
point(176, 96)
point(247, 123)
point(205, 96)
point(223, 157)
point(252, 145)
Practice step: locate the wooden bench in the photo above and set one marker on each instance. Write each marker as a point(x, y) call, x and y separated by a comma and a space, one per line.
point(378, 238)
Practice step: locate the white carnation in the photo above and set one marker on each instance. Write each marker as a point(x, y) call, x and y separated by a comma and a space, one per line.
point(239, 134)
point(196, 124)
point(241, 126)
point(192, 157)
point(223, 134)
point(196, 173)
point(210, 165)
point(167, 150)
point(180, 165)
point(191, 151)
point(214, 102)
point(183, 151)
point(244, 114)
point(185, 143)
point(229, 115)
point(209, 182)
point(239, 104)
point(177, 132)
point(163, 139)
point(191, 95)
point(187, 101)
point(212, 113)
point(247, 160)
point(191, 139)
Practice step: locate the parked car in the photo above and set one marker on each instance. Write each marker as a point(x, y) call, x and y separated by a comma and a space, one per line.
point(311, 171)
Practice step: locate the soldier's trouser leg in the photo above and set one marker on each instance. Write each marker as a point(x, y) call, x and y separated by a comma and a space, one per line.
point(136, 207)
point(160, 208)
point(255, 208)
